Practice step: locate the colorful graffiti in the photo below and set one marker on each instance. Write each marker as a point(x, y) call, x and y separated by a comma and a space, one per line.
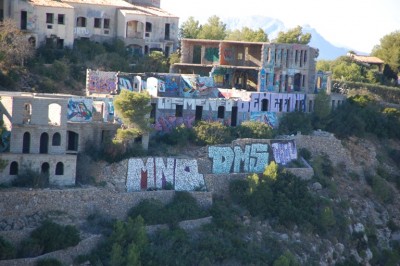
point(192, 86)
point(284, 151)
point(166, 123)
point(101, 82)
point(157, 172)
point(268, 118)
point(212, 54)
point(127, 81)
point(252, 159)
point(80, 110)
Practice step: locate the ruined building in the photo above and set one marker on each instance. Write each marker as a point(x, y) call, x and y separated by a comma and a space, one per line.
point(141, 24)
point(45, 132)
point(225, 81)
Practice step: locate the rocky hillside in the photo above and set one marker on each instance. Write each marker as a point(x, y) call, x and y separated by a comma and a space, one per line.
point(358, 177)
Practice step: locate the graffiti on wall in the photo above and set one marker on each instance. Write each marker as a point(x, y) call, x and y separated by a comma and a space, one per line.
point(166, 123)
point(101, 82)
point(252, 159)
point(80, 110)
point(31, 22)
point(212, 54)
point(130, 82)
point(158, 172)
point(268, 118)
point(284, 151)
point(194, 86)
point(273, 102)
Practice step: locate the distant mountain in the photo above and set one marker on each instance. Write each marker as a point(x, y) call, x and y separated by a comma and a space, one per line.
point(327, 51)
point(272, 27)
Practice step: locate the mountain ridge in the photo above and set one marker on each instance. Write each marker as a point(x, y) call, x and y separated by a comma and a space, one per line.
point(272, 26)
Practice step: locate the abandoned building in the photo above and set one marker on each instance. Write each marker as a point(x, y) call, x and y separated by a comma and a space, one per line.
point(223, 81)
point(261, 67)
point(141, 24)
point(45, 132)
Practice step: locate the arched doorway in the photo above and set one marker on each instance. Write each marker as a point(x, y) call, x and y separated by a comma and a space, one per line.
point(14, 168)
point(45, 169)
point(59, 168)
point(26, 142)
point(44, 143)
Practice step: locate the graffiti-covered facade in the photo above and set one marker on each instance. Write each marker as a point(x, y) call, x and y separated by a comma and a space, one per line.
point(142, 25)
point(45, 132)
point(262, 67)
point(183, 99)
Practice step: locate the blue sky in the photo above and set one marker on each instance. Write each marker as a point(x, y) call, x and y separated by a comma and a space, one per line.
point(354, 24)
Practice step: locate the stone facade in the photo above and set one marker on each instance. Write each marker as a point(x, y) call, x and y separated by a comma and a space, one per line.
point(46, 132)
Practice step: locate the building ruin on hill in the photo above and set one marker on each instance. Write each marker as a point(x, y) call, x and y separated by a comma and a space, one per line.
point(225, 81)
point(141, 24)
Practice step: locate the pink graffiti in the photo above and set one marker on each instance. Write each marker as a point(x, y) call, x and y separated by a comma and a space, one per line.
point(169, 122)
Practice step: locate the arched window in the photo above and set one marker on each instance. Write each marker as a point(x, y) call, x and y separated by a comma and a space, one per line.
point(44, 143)
point(264, 105)
point(45, 168)
point(26, 142)
point(56, 139)
point(221, 111)
point(14, 168)
point(59, 168)
point(81, 22)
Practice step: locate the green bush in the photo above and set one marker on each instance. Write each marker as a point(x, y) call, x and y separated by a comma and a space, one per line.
point(7, 250)
point(124, 246)
point(49, 262)
point(278, 194)
point(305, 153)
point(182, 207)
point(151, 210)
point(180, 136)
point(293, 122)
point(30, 178)
point(49, 237)
point(380, 188)
point(211, 133)
point(254, 130)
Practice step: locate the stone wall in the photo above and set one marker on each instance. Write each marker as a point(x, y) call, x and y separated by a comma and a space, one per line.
point(320, 143)
point(81, 202)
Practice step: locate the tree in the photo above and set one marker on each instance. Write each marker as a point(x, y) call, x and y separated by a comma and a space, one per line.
point(154, 62)
point(321, 109)
point(294, 35)
point(214, 29)
point(248, 35)
point(134, 109)
point(14, 46)
point(324, 65)
point(389, 50)
point(348, 72)
point(190, 29)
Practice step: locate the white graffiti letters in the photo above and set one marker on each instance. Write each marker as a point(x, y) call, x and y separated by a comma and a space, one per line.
point(252, 159)
point(181, 173)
